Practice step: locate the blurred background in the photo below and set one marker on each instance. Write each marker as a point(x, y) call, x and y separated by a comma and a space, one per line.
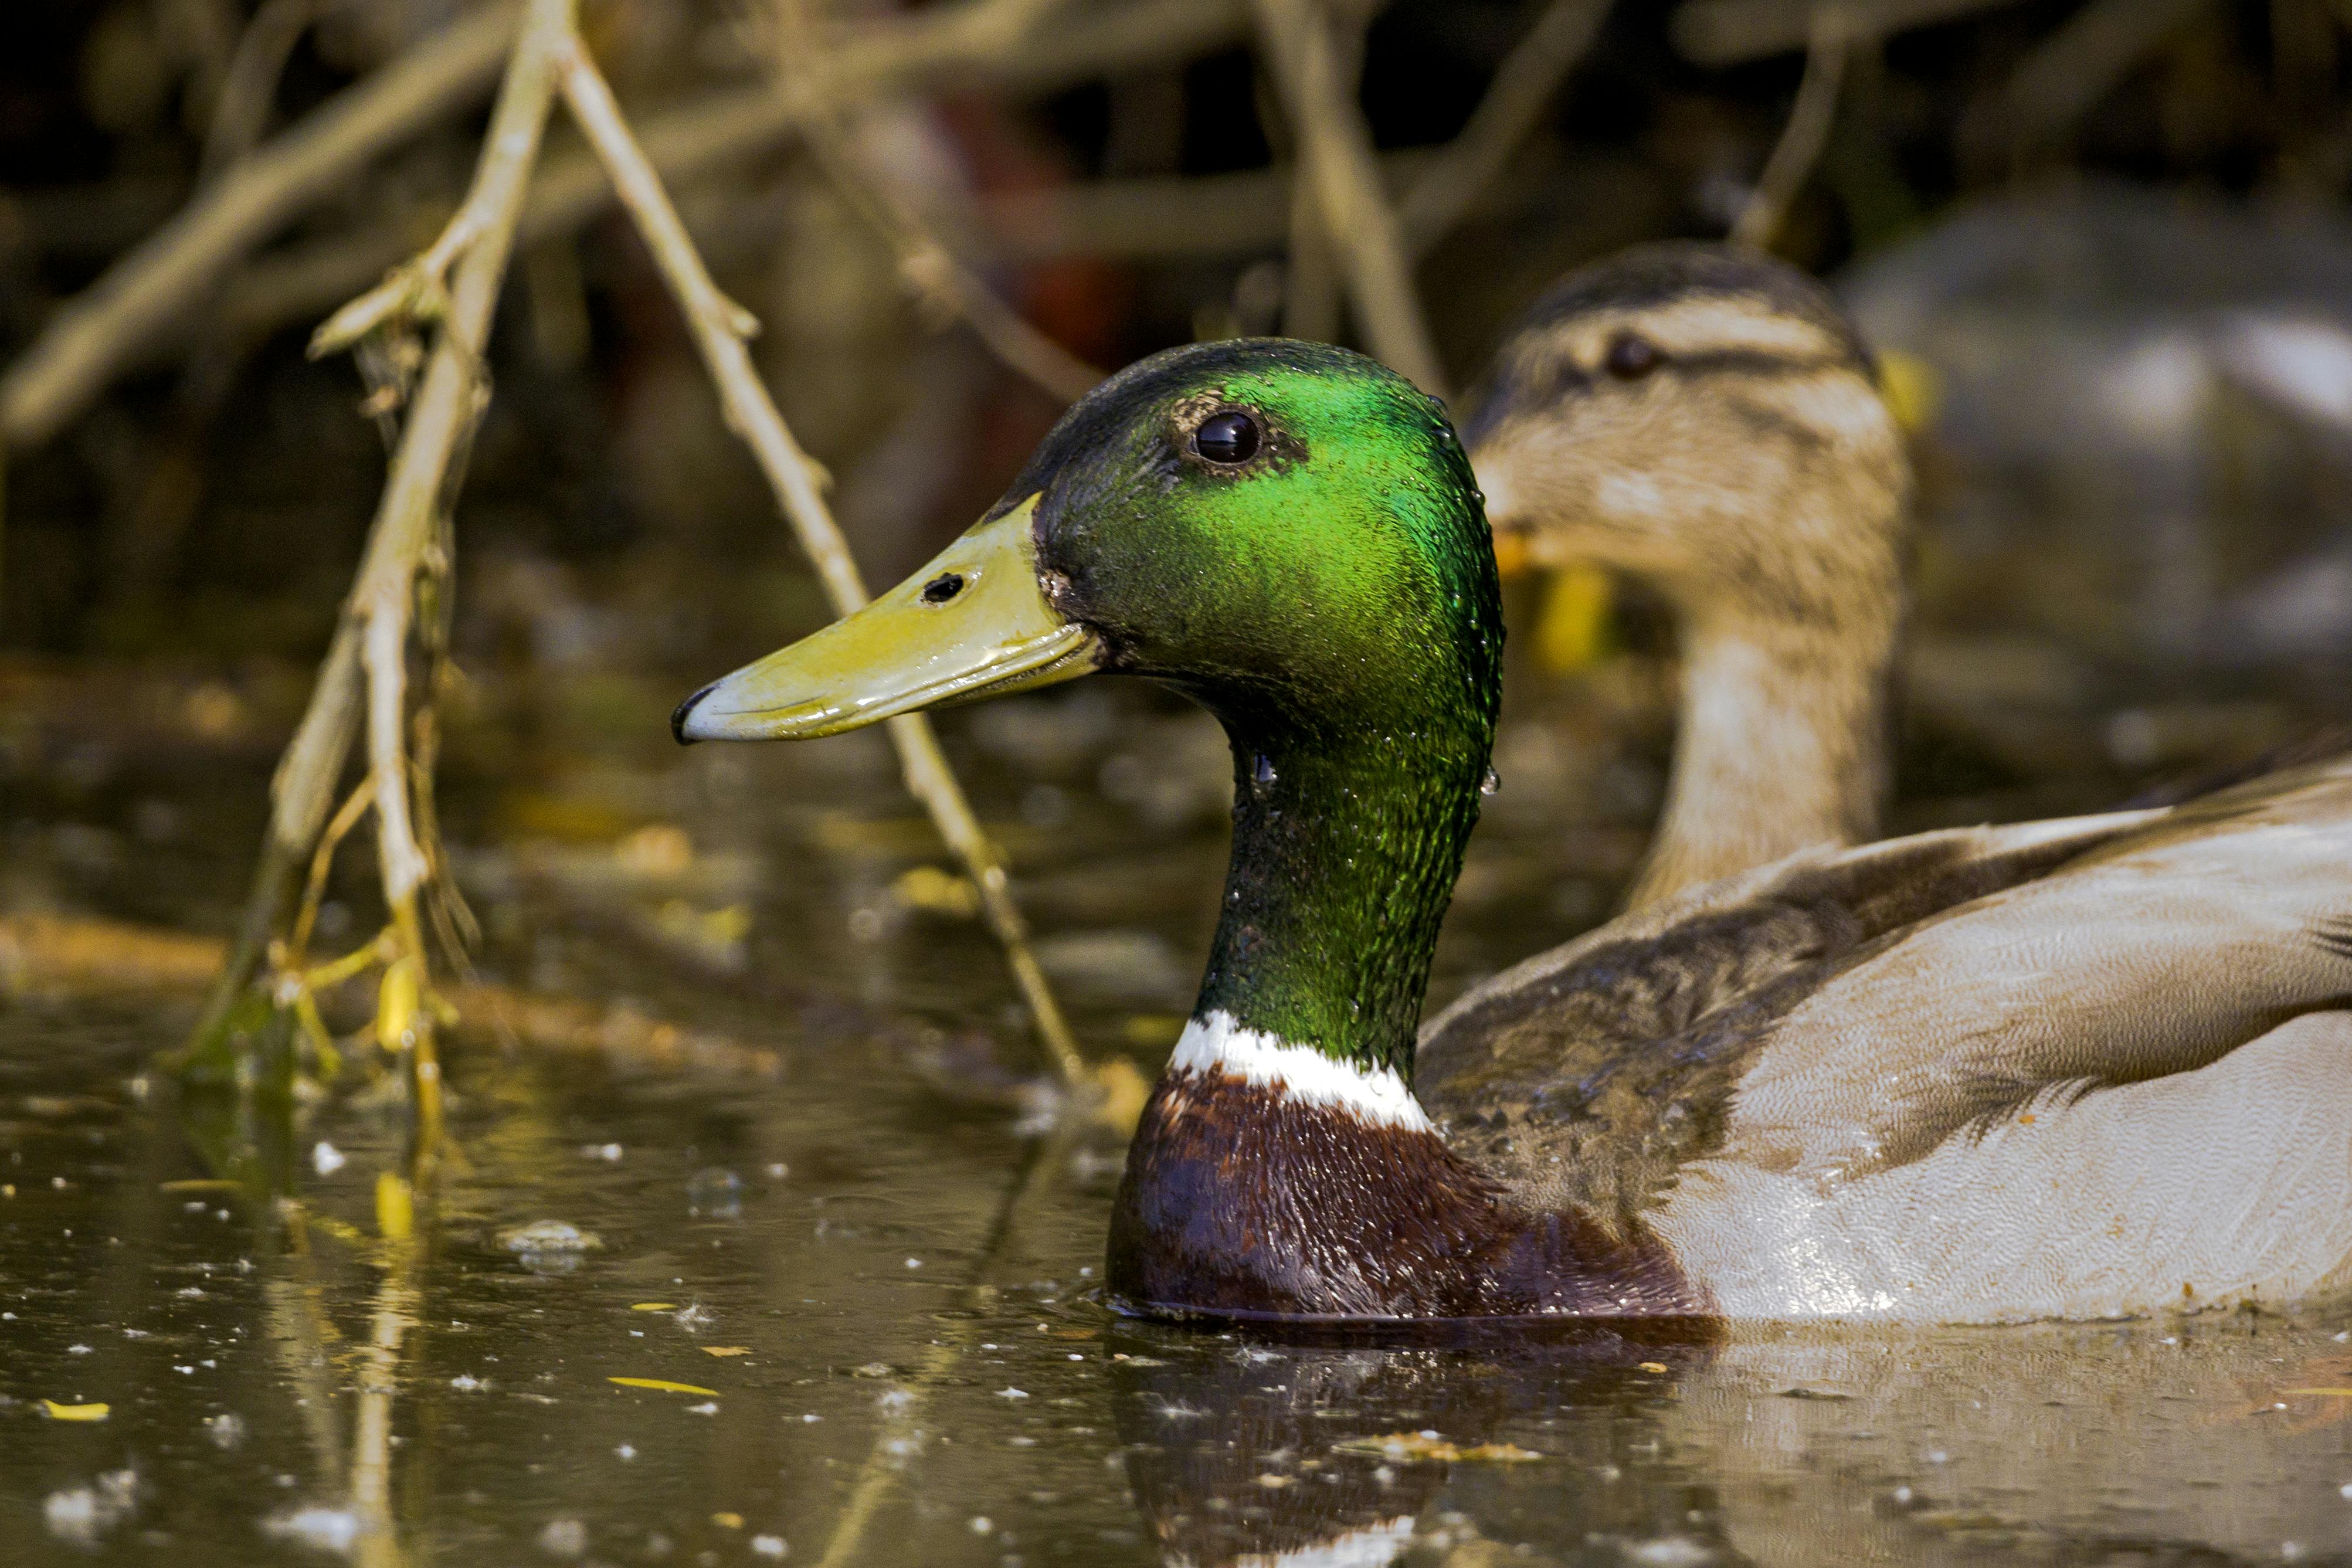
point(2101, 247)
point(754, 1070)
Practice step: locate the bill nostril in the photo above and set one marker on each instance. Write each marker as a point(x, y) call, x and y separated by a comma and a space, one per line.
point(942, 588)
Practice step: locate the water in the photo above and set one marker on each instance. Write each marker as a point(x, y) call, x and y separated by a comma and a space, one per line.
point(872, 1286)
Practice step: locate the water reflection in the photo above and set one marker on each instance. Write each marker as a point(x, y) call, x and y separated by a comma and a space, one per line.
point(2196, 1441)
point(874, 1344)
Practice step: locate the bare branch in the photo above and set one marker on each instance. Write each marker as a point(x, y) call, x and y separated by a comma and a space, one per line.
point(1524, 85)
point(719, 327)
point(89, 339)
point(1802, 138)
point(114, 323)
point(1338, 149)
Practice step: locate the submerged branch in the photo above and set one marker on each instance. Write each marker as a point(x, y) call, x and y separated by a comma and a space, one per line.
point(367, 662)
point(719, 327)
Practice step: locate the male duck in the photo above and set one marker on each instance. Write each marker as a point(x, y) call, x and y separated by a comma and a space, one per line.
point(2079, 1067)
point(1704, 421)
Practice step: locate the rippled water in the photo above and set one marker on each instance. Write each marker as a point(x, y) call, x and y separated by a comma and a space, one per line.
point(871, 1287)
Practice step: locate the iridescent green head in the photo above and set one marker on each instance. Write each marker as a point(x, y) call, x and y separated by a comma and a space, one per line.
point(1289, 533)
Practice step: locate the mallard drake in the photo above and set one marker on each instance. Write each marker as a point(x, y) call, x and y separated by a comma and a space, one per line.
point(2074, 1067)
point(1704, 421)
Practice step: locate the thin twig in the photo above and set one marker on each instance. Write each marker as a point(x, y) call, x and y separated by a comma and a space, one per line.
point(1310, 283)
point(1802, 138)
point(250, 83)
point(944, 283)
point(1337, 147)
point(1523, 85)
point(87, 340)
point(2075, 68)
point(1716, 32)
point(719, 327)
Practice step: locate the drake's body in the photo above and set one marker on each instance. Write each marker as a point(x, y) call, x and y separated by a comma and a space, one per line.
point(2076, 1068)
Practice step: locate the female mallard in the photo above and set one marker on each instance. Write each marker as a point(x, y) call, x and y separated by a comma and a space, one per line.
point(2076, 1068)
point(1704, 421)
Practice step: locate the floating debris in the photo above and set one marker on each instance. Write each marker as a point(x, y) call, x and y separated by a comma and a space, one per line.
point(1424, 1446)
point(725, 1349)
point(662, 1385)
point(653, 1306)
point(98, 1411)
point(325, 1159)
point(772, 1546)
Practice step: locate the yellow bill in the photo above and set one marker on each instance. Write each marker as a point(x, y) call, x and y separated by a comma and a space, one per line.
point(974, 623)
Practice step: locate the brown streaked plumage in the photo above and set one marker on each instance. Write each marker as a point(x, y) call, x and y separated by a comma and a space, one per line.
point(2074, 1068)
point(1704, 421)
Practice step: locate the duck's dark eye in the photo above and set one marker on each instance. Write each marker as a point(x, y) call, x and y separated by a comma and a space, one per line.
point(1228, 438)
point(942, 588)
point(1632, 356)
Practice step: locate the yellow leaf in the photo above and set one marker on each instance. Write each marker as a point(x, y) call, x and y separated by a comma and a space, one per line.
point(76, 1412)
point(653, 1306)
point(728, 1520)
point(396, 1007)
point(662, 1385)
point(1654, 1366)
point(726, 1350)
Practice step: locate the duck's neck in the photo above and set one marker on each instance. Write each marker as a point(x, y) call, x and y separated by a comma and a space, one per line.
point(1782, 744)
point(1345, 851)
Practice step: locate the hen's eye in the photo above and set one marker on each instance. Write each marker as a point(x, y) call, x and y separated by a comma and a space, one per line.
point(1631, 357)
point(1228, 438)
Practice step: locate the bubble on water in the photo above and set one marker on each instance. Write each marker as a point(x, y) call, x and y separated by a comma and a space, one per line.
point(1669, 1552)
point(83, 1514)
point(716, 1191)
point(563, 1537)
point(981, 1524)
point(227, 1430)
point(768, 1546)
point(324, 1529)
point(549, 1246)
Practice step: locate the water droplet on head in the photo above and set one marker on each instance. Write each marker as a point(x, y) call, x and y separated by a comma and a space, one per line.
point(1490, 783)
